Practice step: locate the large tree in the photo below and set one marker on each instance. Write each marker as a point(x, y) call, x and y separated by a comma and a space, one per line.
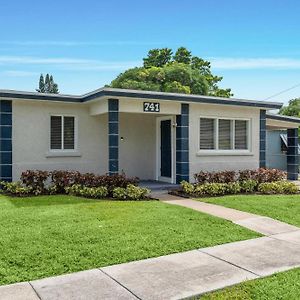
point(178, 73)
point(292, 109)
point(47, 85)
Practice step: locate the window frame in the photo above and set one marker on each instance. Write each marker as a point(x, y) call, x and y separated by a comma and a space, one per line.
point(62, 150)
point(233, 151)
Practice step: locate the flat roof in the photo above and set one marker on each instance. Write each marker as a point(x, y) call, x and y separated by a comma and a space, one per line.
point(138, 94)
point(283, 118)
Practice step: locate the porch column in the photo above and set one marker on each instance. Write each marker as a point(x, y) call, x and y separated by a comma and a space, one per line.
point(5, 140)
point(292, 154)
point(113, 136)
point(182, 144)
point(262, 139)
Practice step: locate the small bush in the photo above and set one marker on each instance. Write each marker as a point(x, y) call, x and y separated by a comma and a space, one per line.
point(248, 186)
point(278, 187)
point(88, 192)
point(233, 188)
point(35, 180)
point(16, 188)
point(260, 175)
point(131, 192)
point(187, 187)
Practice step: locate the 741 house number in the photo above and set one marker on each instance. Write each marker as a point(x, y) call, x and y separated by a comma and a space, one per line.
point(151, 107)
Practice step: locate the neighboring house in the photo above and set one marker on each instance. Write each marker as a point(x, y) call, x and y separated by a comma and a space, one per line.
point(152, 135)
point(276, 149)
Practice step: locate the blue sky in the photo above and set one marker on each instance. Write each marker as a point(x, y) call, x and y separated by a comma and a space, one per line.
point(254, 44)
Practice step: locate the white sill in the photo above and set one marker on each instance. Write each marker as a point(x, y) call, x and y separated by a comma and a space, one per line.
point(224, 153)
point(63, 154)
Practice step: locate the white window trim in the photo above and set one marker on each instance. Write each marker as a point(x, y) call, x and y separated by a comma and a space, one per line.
point(73, 152)
point(217, 151)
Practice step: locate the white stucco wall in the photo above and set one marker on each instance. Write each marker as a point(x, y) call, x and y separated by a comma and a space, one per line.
point(218, 162)
point(31, 134)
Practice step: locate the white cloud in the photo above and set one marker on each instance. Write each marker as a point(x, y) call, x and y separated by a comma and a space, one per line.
point(65, 63)
point(77, 43)
point(14, 73)
point(254, 63)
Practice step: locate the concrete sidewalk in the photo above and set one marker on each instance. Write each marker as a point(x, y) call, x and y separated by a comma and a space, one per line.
point(180, 275)
point(174, 276)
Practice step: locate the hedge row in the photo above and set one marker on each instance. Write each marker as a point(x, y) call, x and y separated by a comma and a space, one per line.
point(260, 175)
point(244, 186)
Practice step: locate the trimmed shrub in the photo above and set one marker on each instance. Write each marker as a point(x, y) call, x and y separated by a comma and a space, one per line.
point(63, 179)
point(278, 187)
point(15, 188)
point(35, 180)
point(187, 187)
point(88, 192)
point(233, 188)
point(131, 192)
point(248, 186)
point(260, 175)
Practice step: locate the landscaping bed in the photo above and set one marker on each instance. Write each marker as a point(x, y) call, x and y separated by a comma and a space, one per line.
point(88, 185)
point(260, 181)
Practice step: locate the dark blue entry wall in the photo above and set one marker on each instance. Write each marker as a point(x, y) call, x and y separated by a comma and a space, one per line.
point(5, 140)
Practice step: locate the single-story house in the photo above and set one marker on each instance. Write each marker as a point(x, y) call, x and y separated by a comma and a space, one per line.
point(152, 135)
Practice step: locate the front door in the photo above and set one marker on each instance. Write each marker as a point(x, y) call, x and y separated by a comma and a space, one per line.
point(166, 148)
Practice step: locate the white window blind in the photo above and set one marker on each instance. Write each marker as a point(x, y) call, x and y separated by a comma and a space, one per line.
point(56, 133)
point(240, 138)
point(207, 133)
point(224, 127)
point(69, 133)
point(62, 133)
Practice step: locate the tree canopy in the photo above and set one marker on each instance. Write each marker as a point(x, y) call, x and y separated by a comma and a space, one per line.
point(47, 85)
point(292, 109)
point(178, 73)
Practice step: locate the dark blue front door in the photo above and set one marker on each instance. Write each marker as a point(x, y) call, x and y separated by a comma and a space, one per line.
point(165, 148)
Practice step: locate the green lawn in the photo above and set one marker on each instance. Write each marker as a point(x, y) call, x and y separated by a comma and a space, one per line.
point(51, 235)
point(285, 208)
point(283, 286)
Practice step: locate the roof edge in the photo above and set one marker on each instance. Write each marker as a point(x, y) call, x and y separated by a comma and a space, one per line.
point(283, 118)
point(113, 92)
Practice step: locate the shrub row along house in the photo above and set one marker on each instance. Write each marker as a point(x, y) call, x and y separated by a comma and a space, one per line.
point(152, 135)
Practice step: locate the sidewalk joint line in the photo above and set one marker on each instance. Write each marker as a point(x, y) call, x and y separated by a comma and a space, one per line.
point(122, 285)
point(35, 290)
point(224, 260)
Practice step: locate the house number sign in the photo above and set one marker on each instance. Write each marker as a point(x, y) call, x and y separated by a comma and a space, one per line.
point(151, 107)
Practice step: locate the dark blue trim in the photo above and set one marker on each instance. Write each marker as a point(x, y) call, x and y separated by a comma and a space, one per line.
point(283, 118)
point(292, 154)
point(113, 136)
point(182, 145)
point(138, 95)
point(5, 140)
point(262, 138)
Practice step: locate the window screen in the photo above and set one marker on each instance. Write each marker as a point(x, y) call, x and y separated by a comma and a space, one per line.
point(240, 138)
point(69, 133)
point(56, 133)
point(207, 133)
point(225, 134)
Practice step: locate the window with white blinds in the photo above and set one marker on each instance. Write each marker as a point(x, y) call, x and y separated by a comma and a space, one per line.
point(224, 134)
point(62, 133)
point(240, 137)
point(207, 134)
point(225, 141)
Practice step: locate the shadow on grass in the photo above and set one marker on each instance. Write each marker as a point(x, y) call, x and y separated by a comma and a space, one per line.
point(53, 200)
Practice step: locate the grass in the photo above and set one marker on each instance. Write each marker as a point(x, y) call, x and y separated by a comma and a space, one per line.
point(52, 235)
point(281, 286)
point(285, 208)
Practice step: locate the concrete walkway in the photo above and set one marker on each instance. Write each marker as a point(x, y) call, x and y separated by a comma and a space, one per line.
point(264, 225)
point(180, 275)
